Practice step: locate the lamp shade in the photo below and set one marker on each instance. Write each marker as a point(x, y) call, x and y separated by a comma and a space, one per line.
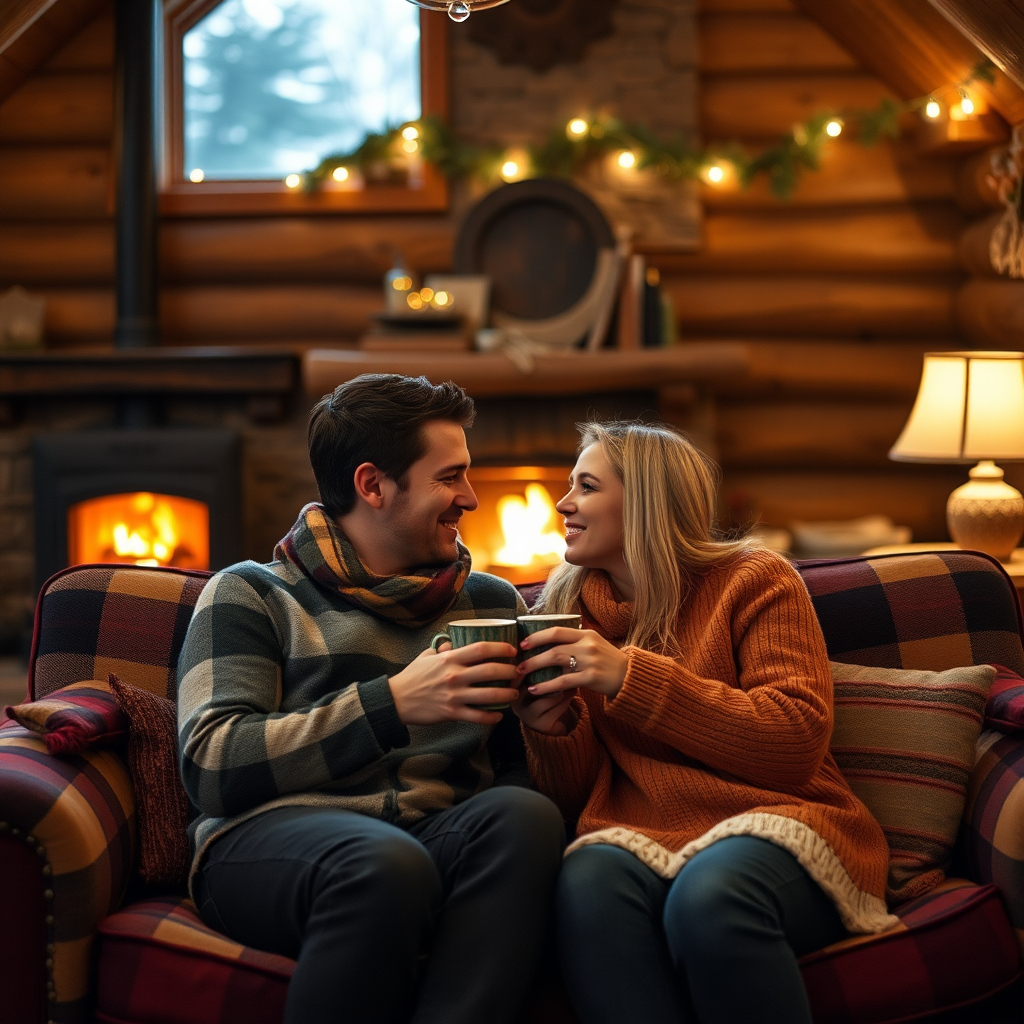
point(970, 406)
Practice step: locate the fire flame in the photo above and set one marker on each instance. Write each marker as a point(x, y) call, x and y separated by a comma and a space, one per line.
point(529, 527)
point(140, 528)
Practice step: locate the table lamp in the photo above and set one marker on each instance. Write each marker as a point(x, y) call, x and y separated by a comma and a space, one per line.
point(970, 408)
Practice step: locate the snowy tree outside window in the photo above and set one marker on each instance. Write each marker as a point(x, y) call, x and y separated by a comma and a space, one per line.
point(273, 86)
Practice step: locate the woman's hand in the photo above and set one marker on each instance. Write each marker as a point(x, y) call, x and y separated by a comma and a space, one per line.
point(587, 658)
point(550, 715)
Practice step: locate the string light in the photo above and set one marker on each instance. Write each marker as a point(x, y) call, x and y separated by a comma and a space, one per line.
point(834, 128)
point(340, 174)
point(197, 174)
point(510, 170)
point(932, 108)
point(410, 145)
point(415, 301)
point(627, 159)
point(716, 174)
point(410, 133)
point(441, 300)
point(293, 181)
point(576, 128)
point(966, 104)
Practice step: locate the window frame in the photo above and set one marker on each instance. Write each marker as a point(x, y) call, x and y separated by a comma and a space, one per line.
point(181, 197)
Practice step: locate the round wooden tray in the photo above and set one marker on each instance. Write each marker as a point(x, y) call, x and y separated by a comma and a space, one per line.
point(538, 241)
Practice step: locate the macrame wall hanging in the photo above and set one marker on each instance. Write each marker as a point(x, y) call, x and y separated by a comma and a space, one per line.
point(543, 33)
point(1006, 246)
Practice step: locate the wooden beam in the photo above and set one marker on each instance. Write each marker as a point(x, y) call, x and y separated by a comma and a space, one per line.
point(909, 45)
point(850, 174)
point(53, 108)
point(764, 107)
point(994, 26)
point(973, 248)
point(55, 182)
point(32, 31)
point(878, 239)
point(811, 306)
point(743, 43)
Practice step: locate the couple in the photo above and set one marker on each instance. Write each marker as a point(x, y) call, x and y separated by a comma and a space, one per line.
point(359, 813)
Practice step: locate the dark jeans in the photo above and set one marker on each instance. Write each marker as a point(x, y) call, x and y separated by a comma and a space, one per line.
point(440, 922)
point(718, 944)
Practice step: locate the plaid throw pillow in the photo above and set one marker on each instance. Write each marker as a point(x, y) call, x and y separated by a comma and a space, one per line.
point(161, 803)
point(1005, 708)
point(904, 739)
point(75, 718)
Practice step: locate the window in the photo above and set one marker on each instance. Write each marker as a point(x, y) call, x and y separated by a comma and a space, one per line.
point(259, 89)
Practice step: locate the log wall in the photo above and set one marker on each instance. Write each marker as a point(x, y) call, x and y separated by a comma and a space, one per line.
point(840, 289)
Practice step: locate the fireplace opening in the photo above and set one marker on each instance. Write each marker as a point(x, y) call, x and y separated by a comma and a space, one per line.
point(140, 528)
point(516, 532)
point(166, 497)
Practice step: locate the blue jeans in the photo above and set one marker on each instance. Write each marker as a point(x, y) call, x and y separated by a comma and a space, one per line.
point(717, 944)
point(439, 923)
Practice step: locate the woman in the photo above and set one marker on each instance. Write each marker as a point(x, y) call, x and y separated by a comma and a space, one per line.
point(717, 841)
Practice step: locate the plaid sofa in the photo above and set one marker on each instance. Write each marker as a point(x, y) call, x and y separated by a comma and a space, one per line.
point(75, 948)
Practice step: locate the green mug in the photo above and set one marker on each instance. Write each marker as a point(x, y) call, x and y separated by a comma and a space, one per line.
point(464, 632)
point(534, 624)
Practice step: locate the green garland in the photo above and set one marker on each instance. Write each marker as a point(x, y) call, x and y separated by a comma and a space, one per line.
point(567, 152)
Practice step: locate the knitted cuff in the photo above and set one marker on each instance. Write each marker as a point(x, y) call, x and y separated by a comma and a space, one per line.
point(381, 713)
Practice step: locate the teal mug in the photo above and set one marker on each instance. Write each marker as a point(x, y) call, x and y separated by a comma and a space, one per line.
point(534, 624)
point(464, 632)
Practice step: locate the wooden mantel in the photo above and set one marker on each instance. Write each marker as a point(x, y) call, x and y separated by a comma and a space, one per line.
point(224, 370)
point(571, 373)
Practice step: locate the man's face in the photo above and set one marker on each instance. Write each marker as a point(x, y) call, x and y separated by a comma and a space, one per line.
point(422, 520)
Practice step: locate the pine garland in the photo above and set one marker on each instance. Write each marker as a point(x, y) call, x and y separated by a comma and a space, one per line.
point(567, 151)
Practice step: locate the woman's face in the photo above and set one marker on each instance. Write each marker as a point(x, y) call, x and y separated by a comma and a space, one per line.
point(593, 513)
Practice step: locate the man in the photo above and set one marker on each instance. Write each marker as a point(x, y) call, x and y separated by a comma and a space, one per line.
point(342, 770)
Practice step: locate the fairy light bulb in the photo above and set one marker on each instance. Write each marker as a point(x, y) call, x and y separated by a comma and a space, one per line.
point(627, 159)
point(967, 104)
point(932, 109)
point(834, 128)
point(510, 170)
point(196, 175)
point(458, 10)
point(716, 174)
point(576, 128)
point(410, 133)
point(293, 181)
point(340, 174)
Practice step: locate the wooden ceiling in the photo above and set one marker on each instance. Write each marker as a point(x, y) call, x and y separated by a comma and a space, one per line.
point(32, 31)
point(914, 49)
point(996, 26)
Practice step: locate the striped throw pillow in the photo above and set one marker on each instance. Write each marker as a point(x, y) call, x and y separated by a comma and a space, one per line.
point(904, 739)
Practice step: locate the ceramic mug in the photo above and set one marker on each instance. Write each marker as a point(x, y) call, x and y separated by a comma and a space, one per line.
point(464, 632)
point(534, 624)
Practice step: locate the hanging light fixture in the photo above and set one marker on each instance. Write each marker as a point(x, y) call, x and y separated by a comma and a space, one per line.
point(458, 10)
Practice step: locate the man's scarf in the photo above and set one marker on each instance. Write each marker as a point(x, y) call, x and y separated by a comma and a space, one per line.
point(318, 547)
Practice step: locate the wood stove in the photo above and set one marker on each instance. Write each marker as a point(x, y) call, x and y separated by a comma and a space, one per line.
point(147, 497)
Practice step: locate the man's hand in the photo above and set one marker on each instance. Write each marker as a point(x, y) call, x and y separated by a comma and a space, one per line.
point(439, 687)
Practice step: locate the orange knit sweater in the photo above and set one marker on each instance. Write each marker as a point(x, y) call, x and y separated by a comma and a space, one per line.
point(729, 739)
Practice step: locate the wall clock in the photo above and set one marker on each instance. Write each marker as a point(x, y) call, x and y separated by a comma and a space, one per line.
point(543, 33)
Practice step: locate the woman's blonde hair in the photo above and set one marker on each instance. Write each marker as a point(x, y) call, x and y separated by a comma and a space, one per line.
point(670, 490)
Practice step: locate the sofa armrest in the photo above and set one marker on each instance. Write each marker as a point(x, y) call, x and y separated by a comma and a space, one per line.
point(993, 825)
point(68, 826)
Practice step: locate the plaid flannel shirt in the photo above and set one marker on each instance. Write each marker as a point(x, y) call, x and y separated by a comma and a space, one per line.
point(283, 699)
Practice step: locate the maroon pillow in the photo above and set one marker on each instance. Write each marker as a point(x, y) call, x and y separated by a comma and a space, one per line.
point(161, 802)
point(1005, 707)
point(75, 718)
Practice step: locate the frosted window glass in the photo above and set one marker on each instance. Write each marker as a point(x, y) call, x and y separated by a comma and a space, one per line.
point(273, 86)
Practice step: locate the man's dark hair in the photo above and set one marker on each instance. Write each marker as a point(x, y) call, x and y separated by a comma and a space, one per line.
point(376, 418)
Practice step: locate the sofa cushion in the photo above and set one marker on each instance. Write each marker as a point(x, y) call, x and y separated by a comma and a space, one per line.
point(157, 962)
point(161, 802)
point(74, 718)
point(953, 947)
point(904, 739)
point(1005, 708)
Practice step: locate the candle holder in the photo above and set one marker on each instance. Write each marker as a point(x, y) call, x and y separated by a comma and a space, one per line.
point(458, 10)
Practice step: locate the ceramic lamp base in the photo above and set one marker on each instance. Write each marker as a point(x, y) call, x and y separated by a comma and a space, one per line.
point(986, 514)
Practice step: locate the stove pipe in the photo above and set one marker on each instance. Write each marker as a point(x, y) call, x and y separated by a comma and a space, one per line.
point(137, 33)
